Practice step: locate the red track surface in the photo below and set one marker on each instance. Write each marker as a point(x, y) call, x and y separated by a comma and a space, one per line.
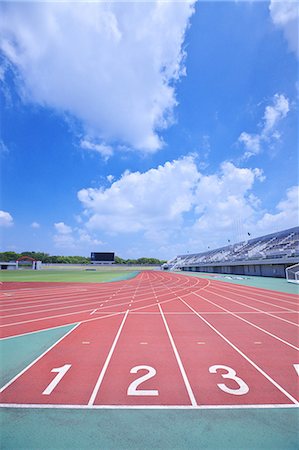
point(184, 341)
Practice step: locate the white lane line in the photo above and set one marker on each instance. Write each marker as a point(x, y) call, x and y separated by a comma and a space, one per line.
point(105, 316)
point(163, 287)
point(250, 323)
point(60, 406)
point(38, 358)
point(289, 396)
point(260, 310)
point(105, 366)
point(184, 375)
point(92, 312)
point(258, 291)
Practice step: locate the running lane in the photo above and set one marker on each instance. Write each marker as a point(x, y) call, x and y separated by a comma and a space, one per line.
point(218, 373)
point(143, 369)
point(81, 354)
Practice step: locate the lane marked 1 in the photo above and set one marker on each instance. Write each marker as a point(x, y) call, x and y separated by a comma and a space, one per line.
point(38, 358)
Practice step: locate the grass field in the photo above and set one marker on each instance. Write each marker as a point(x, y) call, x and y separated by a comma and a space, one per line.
point(71, 276)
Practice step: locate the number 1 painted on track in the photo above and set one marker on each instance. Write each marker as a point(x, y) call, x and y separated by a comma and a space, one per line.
point(61, 371)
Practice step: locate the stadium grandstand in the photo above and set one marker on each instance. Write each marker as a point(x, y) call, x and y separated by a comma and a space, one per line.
point(268, 255)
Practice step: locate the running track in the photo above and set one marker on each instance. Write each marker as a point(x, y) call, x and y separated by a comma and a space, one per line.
point(159, 340)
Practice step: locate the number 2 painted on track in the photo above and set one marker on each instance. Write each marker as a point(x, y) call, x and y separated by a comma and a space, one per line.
point(231, 375)
point(132, 389)
point(61, 371)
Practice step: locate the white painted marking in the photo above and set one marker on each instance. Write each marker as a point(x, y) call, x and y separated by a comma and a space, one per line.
point(61, 371)
point(257, 309)
point(38, 358)
point(59, 406)
point(184, 375)
point(75, 322)
point(200, 343)
point(132, 389)
point(257, 342)
point(231, 375)
point(100, 379)
point(93, 311)
point(85, 342)
point(143, 343)
point(250, 323)
point(296, 367)
point(290, 397)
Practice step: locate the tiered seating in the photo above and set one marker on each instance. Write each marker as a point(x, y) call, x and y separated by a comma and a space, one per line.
point(276, 245)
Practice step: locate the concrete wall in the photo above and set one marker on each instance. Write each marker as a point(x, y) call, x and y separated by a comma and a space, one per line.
point(260, 270)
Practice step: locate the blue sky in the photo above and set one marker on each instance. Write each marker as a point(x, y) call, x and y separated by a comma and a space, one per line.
point(147, 128)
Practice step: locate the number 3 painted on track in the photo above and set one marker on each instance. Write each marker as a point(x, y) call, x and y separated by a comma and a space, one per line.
point(231, 375)
point(132, 389)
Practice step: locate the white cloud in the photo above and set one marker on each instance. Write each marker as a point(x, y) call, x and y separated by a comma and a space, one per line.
point(269, 133)
point(62, 228)
point(252, 143)
point(284, 15)
point(274, 113)
point(175, 207)
point(104, 150)
point(78, 238)
point(6, 219)
point(112, 65)
point(143, 201)
point(35, 225)
point(64, 241)
point(85, 238)
point(110, 178)
point(225, 204)
point(287, 214)
point(3, 148)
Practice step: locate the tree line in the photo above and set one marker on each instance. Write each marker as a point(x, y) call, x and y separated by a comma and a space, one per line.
point(49, 259)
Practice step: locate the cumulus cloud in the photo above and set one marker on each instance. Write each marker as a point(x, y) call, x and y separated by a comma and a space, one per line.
point(284, 15)
point(6, 219)
point(112, 65)
point(286, 215)
point(143, 201)
point(225, 204)
point(175, 206)
point(269, 128)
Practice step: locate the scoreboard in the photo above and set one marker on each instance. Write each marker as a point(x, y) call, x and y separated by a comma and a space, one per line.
point(102, 257)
